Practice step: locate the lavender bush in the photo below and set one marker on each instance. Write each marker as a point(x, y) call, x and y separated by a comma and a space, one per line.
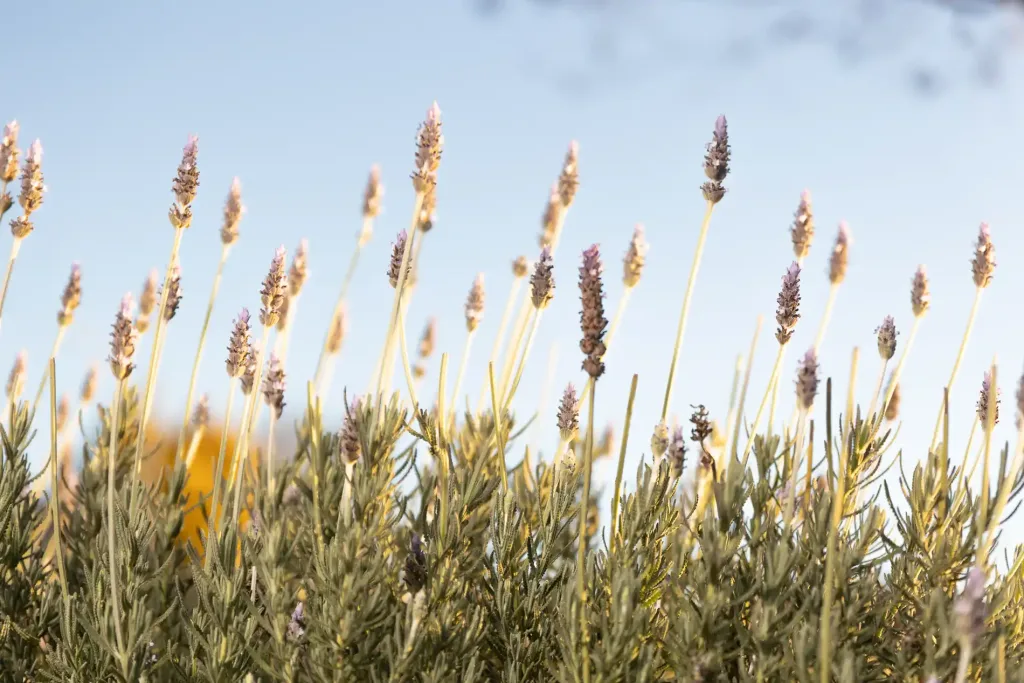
point(425, 543)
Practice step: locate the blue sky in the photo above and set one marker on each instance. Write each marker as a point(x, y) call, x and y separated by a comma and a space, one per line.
point(300, 102)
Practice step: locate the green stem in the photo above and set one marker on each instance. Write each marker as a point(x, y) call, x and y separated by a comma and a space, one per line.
point(199, 353)
point(684, 314)
point(242, 451)
point(154, 363)
point(54, 497)
point(581, 553)
point(617, 491)
point(764, 401)
point(498, 435)
point(46, 375)
point(115, 594)
point(218, 474)
point(959, 358)
point(340, 303)
point(513, 294)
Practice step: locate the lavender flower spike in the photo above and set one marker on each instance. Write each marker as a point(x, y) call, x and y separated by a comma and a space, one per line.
point(592, 320)
point(788, 312)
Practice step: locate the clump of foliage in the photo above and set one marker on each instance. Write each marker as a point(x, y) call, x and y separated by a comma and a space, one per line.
point(404, 546)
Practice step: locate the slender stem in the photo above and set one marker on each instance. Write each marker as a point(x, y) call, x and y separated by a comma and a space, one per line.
point(340, 303)
point(54, 492)
point(284, 335)
point(115, 594)
point(534, 325)
point(878, 392)
point(964, 665)
point(499, 338)
point(218, 473)
point(313, 418)
point(617, 491)
point(347, 504)
point(199, 353)
point(795, 468)
point(154, 363)
point(959, 358)
point(775, 392)
point(404, 346)
point(518, 331)
point(271, 482)
point(193, 445)
point(242, 452)
point(403, 270)
point(764, 401)
point(990, 422)
point(684, 314)
point(61, 330)
point(498, 435)
point(743, 392)
point(967, 473)
point(1005, 489)
point(581, 556)
point(545, 391)
point(826, 317)
point(730, 415)
point(15, 247)
point(462, 371)
point(443, 464)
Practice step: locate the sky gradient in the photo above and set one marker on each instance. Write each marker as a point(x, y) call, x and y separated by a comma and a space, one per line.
point(299, 103)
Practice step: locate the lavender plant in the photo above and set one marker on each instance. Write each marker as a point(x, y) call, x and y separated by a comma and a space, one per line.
point(419, 541)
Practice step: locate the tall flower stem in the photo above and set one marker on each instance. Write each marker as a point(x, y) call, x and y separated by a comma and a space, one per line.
point(878, 392)
point(218, 472)
point(498, 434)
point(115, 593)
point(194, 377)
point(617, 491)
point(242, 451)
point(581, 551)
point(339, 305)
point(15, 248)
point(154, 363)
point(764, 402)
point(521, 365)
point(403, 270)
point(499, 338)
point(743, 391)
point(46, 375)
point(839, 495)
point(959, 358)
point(518, 332)
point(54, 491)
point(684, 314)
point(461, 373)
point(409, 380)
point(826, 316)
point(271, 482)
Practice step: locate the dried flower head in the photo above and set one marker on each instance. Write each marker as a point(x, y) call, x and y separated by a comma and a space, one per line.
point(249, 371)
point(675, 452)
point(371, 197)
point(239, 347)
point(983, 400)
point(886, 334)
point(275, 289)
point(174, 293)
point(636, 257)
point(983, 265)
point(348, 441)
point(233, 211)
point(840, 257)
point(147, 301)
point(569, 180)
point(520, 267)
point(71, 297)
point(9, 153)
point(122, 341)
point(701, 422)
point(970, 606)
point(920, 296)
point(788, 311)
point(16, 380)
point(201, 413)
point(542, 282)
point(273, 386)
point(32, 188)
point(428, 339)
point(88, 389)
point(336, 336)
point(394, 267)
point(568, 414)
point(716, 162)
point(802, 231)
point(299, 271)
point(185, 185)
point(892, 410)
point(551, 218)
point(807, 380)
point(63, 411)
point(592, 320)
point(474, 307)
point(429, 145)
point(660, 440)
